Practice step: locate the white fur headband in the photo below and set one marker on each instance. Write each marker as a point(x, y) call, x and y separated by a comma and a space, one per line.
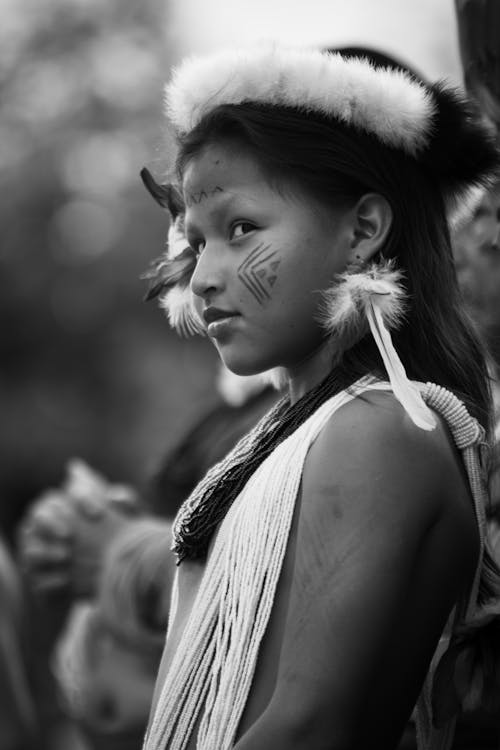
point(432, 123)
point(388, 103)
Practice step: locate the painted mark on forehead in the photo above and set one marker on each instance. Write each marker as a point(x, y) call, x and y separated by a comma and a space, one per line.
point(258, 272)
point(194, 199)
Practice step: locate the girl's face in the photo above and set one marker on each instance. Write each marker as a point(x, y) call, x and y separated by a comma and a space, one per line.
point(264, 256)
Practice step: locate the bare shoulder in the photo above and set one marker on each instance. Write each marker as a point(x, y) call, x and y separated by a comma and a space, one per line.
point(384, 543)
point(372, 465)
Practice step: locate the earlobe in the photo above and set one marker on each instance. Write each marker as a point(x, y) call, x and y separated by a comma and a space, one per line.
point(371, 227)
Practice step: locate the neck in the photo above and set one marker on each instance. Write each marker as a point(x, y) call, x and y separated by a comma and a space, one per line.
point(308, 373)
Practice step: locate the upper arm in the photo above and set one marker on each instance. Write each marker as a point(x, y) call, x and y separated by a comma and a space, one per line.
point(385, 540)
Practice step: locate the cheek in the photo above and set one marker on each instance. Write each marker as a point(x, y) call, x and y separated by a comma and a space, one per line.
point(296, 302)
point(258, 274)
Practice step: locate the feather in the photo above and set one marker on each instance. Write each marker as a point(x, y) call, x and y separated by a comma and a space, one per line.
point(405, 391)
point(167, 196)
point(167, 272)
point(178, 305)
point(343, 312)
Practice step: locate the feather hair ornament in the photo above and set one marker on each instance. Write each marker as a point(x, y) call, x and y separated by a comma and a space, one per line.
point(373, 298)
point(170, 274)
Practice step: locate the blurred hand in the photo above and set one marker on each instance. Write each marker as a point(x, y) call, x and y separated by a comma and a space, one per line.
point(65, 532)
point(479, 37)
point(102, 511)
point(45, 541)
point(92, 494)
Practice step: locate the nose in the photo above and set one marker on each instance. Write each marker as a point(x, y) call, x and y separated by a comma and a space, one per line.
point(208, 276)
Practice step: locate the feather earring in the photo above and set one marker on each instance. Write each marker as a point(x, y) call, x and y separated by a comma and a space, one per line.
point(372, 298)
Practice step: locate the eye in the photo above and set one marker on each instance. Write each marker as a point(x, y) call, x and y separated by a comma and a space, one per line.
point(240, 229)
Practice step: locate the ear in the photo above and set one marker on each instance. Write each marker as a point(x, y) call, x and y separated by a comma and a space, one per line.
point(372, 221)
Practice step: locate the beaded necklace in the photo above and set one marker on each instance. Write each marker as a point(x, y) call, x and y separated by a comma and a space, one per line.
point(209, 502)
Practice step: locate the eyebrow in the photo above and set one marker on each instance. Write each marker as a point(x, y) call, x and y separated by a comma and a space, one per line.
point(222, 206)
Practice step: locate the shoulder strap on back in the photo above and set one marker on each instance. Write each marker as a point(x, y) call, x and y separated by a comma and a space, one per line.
point(469, 437)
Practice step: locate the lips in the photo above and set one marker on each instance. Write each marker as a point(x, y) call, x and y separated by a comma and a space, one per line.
point(212, 314)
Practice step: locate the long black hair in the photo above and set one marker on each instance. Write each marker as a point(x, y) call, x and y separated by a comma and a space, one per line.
point(333, 162)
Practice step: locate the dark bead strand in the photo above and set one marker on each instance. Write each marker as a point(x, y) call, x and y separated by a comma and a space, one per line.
point(201, 514)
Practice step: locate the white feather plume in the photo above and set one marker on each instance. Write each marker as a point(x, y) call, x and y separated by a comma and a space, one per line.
point(343, 312)
point(177, 302)
point(176, 238)
point(180, 310)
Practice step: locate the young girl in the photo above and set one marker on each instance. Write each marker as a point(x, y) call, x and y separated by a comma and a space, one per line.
point(323, 565)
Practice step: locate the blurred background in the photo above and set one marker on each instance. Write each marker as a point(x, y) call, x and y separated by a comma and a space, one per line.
point(87, 369)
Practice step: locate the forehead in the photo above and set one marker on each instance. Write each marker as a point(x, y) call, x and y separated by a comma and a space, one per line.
point(221, 166)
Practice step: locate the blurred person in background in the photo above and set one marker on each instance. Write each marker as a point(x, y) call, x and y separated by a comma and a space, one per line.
point(96, 548)
point(61, 543)
point(477, 256)
point(479, 40)
point(18, 716)
point(476, 244)
point(476, 249)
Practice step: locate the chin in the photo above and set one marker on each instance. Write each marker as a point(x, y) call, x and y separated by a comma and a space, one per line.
point(244, 364)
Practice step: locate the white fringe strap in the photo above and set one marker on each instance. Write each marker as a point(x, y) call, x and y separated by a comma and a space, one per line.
point(215, 661)
point(211, 673)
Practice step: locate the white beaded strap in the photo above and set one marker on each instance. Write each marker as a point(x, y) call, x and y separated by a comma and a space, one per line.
point(468, 436)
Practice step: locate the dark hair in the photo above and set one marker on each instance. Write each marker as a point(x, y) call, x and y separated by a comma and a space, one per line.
point(331, 161)
point(377, 58)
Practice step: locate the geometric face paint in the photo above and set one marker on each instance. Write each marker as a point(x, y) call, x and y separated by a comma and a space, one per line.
point(194, 199)
point(258, 272)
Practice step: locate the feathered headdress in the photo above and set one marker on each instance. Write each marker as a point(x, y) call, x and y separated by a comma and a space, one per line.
point(434, 124)
point(431, 124)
